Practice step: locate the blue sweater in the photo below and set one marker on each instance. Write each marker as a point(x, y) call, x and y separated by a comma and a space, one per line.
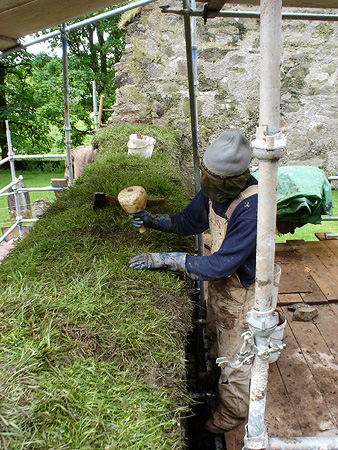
point(238, 250)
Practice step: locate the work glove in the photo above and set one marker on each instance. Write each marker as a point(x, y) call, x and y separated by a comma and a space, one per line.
point(160, 222)
point(171, 261)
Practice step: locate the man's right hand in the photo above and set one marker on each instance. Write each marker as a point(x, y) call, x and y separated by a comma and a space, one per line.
point(160, 222)
point(140, 218)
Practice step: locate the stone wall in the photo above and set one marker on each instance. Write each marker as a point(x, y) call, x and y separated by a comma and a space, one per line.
point(153, 86)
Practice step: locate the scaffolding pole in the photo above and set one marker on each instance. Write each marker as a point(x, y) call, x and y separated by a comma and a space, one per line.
point(100, 110)
point(42, 156)
point(96, 113)
point(9, 186)
point(268, 145)
point(304, 443)
point(191, 52)
point(16, 191)
point(15, 180)
point(209, 14)
point(8, 232)
point(66, 90)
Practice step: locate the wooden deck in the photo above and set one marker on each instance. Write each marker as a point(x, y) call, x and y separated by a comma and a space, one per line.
point(302, 397)
point(303, 384)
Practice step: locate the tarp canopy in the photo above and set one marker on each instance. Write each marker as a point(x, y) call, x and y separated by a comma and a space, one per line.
point(19, 18)
point(303, 194)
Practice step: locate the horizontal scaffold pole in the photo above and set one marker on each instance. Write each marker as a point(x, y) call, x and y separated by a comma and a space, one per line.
point(209, 14)
point(304, 443)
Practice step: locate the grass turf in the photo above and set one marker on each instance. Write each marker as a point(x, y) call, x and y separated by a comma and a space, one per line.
point(92, 352)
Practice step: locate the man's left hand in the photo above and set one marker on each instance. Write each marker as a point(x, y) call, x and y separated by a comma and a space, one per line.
point(172, 261)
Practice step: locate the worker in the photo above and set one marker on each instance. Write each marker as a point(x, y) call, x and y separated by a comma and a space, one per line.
point(81, 156)
point(227, 205)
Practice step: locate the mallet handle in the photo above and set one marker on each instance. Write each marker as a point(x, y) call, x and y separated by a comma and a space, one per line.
point(150, 201)
point(142, 229)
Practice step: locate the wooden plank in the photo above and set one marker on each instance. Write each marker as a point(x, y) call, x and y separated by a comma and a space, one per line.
point(314, 297)
point(327, 283)
point(332, 244)
point(327, 255)
point(323, 367)
point(280, 417)
point(334, 309)
point(307, 401)
point(289, 299)
point(327, 323)
point(294, 278)
point(58, 182)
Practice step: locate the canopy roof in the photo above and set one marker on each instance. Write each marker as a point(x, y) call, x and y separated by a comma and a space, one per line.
point(19, 18)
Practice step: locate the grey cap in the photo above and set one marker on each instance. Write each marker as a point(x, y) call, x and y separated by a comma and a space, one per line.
point(228, 156)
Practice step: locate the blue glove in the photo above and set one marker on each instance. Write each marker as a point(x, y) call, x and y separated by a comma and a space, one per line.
point(170, 261)
point(160, 222)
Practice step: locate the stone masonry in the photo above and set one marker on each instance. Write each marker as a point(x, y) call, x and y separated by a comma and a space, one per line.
point(153, 86)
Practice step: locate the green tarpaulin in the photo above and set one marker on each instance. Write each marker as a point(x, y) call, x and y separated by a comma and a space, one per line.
point(303, 194)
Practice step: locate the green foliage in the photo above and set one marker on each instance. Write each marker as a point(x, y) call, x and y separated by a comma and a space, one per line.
point(93, 51)
point(92, 351)
point(20, 105)
point(31, 95)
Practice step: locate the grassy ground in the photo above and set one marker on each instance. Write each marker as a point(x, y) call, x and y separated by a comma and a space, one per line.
point(92, 352)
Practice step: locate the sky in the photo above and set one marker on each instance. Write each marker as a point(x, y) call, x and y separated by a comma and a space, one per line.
point(41, 47)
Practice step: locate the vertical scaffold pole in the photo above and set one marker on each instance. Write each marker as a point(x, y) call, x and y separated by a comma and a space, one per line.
point(66, 91)
point(268, 145)
point(191, 52)
point(14, 179)
point(96, 113)
point(191, 55)
point(100, 110)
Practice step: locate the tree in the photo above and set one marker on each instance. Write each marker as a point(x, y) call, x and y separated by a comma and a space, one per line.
point(3, 111)
point(19, 105)
point(31, 96)
point(93, 51)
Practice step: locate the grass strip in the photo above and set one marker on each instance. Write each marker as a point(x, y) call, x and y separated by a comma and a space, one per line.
point(92, 352)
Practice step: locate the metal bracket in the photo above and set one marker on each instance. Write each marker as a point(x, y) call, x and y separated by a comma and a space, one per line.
point(248, 351)
point(256, 442)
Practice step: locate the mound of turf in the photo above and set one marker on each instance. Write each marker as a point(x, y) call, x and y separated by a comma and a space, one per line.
point(92, 352)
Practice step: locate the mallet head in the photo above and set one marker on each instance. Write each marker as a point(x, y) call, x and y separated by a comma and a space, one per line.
point(99, 200)
point(133, 200)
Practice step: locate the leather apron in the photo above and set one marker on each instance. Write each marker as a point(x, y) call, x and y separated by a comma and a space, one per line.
point(229, 303)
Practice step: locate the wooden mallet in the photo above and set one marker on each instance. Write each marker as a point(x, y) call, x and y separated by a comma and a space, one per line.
point(133, 199)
